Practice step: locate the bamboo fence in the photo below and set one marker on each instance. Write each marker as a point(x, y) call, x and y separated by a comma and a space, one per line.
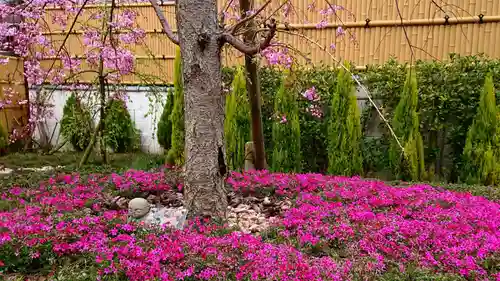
point(375, 32)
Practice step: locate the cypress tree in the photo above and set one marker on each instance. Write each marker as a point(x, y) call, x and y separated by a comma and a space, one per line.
point(237, 122)
point(4, 140)
point(481, 146)
point(76, 123)
point(121, 134)
point(410, 164)
point(176, 153)
point(344, 129)
point(286, 128)
point(164, 132)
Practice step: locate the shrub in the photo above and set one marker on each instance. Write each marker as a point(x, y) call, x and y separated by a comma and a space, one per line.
point(481, 147)
point(120, 133)
point(344, 129)
point(406, 125)
point(4, 140)
point(286, 128)
point(237, 122)
point(449, 94)
point(176, 153)
point(164, 133)
point(76, 123)
point(314, 128)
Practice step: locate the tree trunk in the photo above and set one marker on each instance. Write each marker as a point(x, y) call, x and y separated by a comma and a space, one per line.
point(102, 93)
point(205, 167)
point(253, 89)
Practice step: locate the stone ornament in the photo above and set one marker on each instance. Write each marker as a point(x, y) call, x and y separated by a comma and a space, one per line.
point(138, 208)
point(141, 211)
point(249, 156)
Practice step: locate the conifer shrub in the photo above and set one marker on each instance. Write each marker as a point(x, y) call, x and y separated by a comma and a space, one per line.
point(164, 132)
point(120, 133)
point(481, 151)
point(4, 141)
point(409, 163)
point(76, 123)
point(286, 155)
point(344, 129)
point(176, 153)
point(237, 122)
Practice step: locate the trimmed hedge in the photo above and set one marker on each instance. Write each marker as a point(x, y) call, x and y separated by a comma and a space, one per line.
point(448, 95)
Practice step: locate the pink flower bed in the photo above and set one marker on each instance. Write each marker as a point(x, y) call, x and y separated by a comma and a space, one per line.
point(375, 226)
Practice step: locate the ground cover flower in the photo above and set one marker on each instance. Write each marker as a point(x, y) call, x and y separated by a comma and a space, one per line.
point(338, 229)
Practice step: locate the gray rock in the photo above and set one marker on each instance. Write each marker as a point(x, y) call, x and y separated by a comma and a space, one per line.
point(6, 171)
point(256, 208)
point(173, 217)
point(266, 201)
point(242, 208)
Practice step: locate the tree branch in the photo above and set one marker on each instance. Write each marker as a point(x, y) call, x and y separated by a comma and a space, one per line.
point(249, 49)
point(248, 18)
point(164, 23)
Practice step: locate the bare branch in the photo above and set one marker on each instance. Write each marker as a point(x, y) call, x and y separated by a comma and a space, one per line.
point(164, 23)
point(248, 49)
point(248, 18)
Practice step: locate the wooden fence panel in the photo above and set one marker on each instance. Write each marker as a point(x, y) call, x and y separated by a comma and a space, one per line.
point(12, 90)
point(385, 37)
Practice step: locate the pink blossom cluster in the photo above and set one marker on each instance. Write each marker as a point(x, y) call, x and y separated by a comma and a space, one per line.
point(46, 219)
point(377, 226)
point(22, 30)
point(381, 225)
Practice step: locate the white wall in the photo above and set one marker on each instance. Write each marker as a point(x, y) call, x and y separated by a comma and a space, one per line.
point(144, 105)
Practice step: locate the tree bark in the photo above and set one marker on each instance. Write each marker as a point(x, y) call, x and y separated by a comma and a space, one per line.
point(205, 167)
point(253, 89)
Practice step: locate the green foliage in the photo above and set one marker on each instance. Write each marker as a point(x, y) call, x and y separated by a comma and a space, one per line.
point(481, 152)
point(76, 123)
point(448, 98)
point(414, 273)
point(375, 151)
point(120, 133)
point(449, 94)
point(313, 130)
point(176, 153)
point(164, 132)
point(20, 260)
point(237, 122)
point(344, 129)
point(286, 128)
point(4, 140)
point(407, 164)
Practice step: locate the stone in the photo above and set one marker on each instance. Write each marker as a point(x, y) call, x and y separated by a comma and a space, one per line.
point(242, 208)
point(138, 208)
point(249, 156)
point(6, 171)
point(235, 202)
point(256, 208)
point(254, 228)
point(122, 203)
point(173, 217)
point(266, 201)
point(152, 198)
